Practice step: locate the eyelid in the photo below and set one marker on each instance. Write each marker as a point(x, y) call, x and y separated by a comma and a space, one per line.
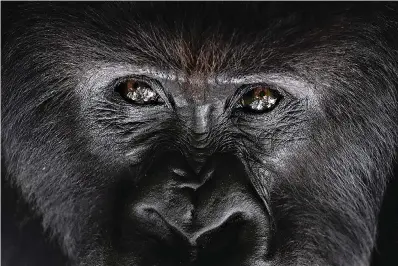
point(139, 78)
point(248, 87)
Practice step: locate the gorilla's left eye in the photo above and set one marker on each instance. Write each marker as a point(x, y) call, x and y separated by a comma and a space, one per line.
point(260, 99)
point(138, 92)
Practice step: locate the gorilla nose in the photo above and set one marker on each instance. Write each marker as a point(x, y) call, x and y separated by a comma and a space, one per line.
point(208, 214)
point(226, 235)
point(235, 237)
point(231, 234)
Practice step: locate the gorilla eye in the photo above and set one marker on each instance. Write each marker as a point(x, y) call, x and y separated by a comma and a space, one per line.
point(138, 92)
point(260, 99)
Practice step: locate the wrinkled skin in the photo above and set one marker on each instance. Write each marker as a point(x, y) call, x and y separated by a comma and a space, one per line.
point(92, 179)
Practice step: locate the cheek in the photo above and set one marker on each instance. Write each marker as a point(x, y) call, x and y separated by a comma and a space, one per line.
point(122, 133)
point(273, 134)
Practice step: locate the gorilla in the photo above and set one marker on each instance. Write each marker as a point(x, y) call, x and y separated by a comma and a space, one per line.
point(164, 134)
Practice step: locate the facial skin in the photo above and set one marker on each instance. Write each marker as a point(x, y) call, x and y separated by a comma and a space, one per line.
point(198, 133)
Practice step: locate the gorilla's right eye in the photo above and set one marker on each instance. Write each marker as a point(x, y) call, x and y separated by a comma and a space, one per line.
point(138, 92)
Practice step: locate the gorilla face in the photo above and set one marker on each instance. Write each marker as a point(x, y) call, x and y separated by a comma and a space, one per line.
point(199, 134)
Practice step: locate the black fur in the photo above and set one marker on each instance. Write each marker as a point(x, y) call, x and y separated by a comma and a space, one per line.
point(320, 162)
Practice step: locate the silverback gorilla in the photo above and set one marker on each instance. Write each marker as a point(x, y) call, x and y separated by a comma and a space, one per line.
point(224, 134)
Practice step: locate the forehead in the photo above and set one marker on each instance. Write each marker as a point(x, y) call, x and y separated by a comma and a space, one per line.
point(193, 41)
point(196, 39)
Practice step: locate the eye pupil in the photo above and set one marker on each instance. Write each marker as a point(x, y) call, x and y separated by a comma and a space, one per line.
point(260, 99)
point(138, 92)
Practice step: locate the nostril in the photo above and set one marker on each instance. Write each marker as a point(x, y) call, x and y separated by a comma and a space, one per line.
point(154, 225)
point(233, 239)
point(150, 221)
point(223, 235)
point(153, 232)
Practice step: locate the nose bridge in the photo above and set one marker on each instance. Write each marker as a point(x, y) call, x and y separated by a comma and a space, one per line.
point(201, 119)
point(218, 212)
point(200, 128)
